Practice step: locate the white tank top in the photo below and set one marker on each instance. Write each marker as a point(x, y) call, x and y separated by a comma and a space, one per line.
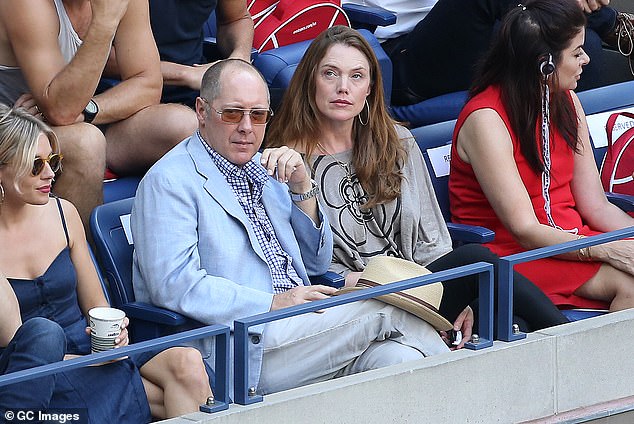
point(12, 82)
point(67, 38)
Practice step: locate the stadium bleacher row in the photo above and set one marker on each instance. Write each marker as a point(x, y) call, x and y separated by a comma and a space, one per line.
point(149, 322)
point(432, 122)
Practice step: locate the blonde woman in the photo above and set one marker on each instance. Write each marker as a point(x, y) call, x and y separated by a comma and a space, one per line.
point(45, 257)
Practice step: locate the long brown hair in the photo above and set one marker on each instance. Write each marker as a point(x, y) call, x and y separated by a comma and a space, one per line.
point(529, 33)
point(377, 155)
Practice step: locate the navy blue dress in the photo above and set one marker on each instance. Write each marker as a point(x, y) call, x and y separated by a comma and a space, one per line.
point(111, 393)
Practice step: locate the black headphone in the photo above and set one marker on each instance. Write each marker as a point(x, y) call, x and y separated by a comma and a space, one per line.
point(546, 65)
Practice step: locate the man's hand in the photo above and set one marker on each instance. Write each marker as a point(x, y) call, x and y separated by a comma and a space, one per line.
point(287, 166)
point(195, 75)
point(28, 103)
point(590, 6)
point(301, 294)
point(108, 12)
point(352, 278)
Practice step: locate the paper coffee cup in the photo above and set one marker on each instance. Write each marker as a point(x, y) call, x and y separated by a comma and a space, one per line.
point(105, 327)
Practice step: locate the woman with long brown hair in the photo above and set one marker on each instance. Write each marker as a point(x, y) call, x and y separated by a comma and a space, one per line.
point(374, 185)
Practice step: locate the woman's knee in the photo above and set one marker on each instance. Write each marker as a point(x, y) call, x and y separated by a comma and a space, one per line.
point(188, 369)
point(474, 252)
point(607, 284)
point(624, 286)
point(43, 337)
point(463, 255)
point(391, 352)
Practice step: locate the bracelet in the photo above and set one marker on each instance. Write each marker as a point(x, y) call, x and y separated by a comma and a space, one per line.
point(583, 254)
point(314, 191)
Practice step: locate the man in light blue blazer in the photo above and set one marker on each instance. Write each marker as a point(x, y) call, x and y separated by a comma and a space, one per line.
point(222, 232)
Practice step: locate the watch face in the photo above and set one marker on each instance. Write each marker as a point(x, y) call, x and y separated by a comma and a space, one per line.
point(91, 107)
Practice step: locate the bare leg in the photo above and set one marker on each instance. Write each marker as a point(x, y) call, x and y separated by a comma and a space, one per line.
point(179, 374)
point(134, 144)
point(610, 285)
point(155, 397)
point(81, 180)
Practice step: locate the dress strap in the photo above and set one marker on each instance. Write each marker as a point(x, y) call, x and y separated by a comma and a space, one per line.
point(61, 214)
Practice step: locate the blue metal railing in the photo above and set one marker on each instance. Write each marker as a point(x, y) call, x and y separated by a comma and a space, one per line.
point(244, 396)
point(221, 333)
point(505, 275)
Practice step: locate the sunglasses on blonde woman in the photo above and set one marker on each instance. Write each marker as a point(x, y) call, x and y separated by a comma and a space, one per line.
point(54, 160)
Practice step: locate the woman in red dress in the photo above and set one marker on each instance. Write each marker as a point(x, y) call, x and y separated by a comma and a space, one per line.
point(522, 163)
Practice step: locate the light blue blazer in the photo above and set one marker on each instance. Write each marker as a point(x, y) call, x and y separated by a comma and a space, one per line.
point(195, 251)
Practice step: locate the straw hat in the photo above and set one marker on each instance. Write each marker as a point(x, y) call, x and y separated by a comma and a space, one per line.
point(422, 301)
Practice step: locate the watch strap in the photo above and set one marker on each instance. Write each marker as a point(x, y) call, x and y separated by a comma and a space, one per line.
point(89, 115)
point(314, 191)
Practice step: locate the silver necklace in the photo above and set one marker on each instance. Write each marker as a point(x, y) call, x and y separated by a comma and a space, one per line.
point(350, 189)
point(344, 166)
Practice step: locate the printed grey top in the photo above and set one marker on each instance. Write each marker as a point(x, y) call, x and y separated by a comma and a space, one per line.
point(410, 227)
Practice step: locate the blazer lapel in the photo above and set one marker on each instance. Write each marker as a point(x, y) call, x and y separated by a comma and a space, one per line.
point(218, 188)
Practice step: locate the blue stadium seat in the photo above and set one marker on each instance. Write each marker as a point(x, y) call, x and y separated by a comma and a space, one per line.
point(114, 253)
point(278, 66)
point(368, 17)
point(437, 136)
point(120, 188)
point(436, 109)
point(578, 314)
point(604, 99)
point(102, 281)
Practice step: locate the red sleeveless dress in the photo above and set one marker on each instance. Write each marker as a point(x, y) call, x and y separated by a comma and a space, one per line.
point(552, 201)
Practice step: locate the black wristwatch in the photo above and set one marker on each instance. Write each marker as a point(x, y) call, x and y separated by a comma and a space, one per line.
point(90, 111)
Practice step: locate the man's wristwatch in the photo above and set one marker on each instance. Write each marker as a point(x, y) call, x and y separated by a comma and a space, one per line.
point(314, 191)
point(90, 111)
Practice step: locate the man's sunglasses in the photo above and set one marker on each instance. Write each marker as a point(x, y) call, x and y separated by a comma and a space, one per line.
point(54, 161)
point(233, 115)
